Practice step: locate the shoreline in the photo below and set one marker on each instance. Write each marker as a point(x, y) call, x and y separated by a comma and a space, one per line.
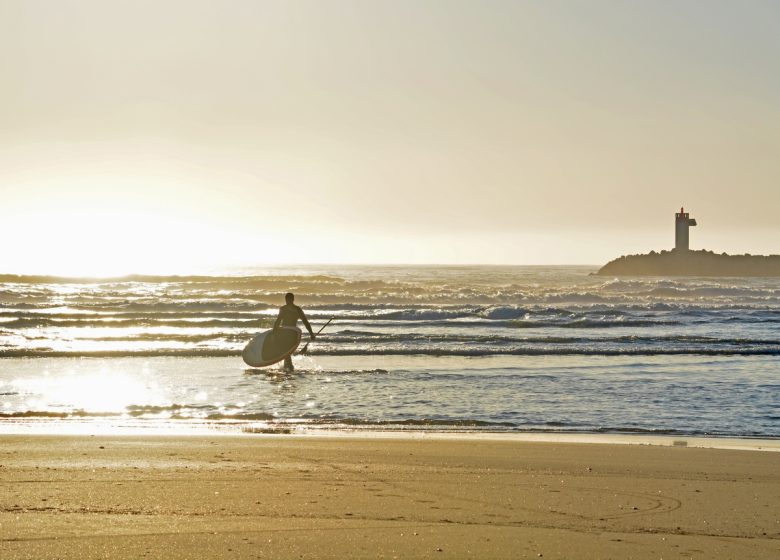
point(339, 497)
point(684, 396)
point(76, 428)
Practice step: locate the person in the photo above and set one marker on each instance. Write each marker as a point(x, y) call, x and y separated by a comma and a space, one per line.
point(288, 317)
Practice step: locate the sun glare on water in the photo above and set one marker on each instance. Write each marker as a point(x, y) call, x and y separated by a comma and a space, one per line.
point(95, 392)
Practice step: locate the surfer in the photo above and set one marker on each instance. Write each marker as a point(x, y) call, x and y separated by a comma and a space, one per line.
point(288, 317)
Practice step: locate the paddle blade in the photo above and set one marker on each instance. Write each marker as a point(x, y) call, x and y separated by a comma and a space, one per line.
point(306, 347)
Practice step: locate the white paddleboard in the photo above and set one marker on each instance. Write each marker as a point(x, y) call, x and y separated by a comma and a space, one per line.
point(269, 347)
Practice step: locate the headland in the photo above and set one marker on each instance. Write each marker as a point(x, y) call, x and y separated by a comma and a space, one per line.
point(692, 263)
point(681, 261)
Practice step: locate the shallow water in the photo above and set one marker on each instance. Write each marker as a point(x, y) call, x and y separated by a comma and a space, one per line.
point(456, 348)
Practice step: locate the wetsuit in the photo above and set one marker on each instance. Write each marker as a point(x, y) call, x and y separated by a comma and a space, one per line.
point(288, 317)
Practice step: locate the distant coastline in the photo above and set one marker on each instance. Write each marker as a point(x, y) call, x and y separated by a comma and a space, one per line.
point(693, 263)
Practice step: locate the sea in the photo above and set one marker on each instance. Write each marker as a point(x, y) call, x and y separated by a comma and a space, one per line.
point(508, 349)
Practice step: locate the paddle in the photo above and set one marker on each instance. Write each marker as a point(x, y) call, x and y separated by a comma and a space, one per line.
point(303, 351)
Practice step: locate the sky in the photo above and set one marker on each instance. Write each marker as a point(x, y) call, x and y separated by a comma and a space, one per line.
point(159, 136)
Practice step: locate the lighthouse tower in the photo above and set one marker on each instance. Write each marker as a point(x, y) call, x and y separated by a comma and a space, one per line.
point(681, 223)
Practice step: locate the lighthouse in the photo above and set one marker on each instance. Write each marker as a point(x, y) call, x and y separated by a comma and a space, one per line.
point(682, 221)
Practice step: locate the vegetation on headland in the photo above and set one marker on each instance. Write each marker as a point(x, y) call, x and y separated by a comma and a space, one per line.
point(692, 263)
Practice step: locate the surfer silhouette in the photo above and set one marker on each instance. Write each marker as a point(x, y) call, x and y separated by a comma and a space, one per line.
point(288, 317)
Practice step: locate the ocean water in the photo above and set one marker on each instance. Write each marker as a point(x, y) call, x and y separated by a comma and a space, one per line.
point(414, 348)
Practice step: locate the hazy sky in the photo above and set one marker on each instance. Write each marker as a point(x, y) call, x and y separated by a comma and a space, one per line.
point(143, 135)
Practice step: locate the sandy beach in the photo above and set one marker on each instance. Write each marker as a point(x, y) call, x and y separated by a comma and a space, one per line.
point(305, 497)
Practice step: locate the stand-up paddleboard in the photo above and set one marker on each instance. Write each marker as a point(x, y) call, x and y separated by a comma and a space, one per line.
point(269, 347)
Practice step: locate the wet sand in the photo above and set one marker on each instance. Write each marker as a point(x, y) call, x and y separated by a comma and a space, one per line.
point(305, 497)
